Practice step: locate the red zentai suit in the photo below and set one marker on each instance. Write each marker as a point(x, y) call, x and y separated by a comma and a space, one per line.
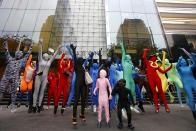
point(52, 86)
point(65, 67)
point(154, 80)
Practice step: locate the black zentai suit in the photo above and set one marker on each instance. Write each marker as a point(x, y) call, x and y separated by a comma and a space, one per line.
point(80, 86)
point(123, 101)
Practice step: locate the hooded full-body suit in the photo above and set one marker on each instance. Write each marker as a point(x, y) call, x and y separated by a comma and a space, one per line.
point(164, 80)
point(65, 68)
point(128, 71)
point(80, 85)
point(173, 77)
point(102, 84)
point(28, 76)
point(188, 80)
point(52, 86)
point(123, 101)
point(94, 74)
point(11, 78)
point(154, 80)
point(41, 78)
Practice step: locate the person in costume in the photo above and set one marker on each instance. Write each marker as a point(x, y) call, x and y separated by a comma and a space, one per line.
point(11, 78)
point(102, 84)
point(94, 74)
point(128, 71)
point(80, 85)
point(52, 86)
point(41, 79)
point(174, 78)
point(154, 80)
point(188, 80)
point(123, 102)
point(65, 68)
point(164, 80)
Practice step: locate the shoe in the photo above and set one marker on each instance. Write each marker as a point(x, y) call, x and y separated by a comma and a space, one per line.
point(120, 126)
point(39, 109)
point(13, 110)
point(157, 110)
point(34, 109)
point(30, 109)
point(62, 111)
point(55, 110)
point(167, 110)
point(172, 98)
point(74, 121)
point(140, 106)
point(99, 125)
point(130, 126)
point(194, 115)
point(18, 105)
point(83, 118)
point(108, 124)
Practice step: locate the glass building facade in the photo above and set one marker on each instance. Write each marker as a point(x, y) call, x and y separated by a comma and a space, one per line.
point(88, 24)
point(179, 22)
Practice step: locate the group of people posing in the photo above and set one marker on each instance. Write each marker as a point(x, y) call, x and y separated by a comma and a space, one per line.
point(113, 80)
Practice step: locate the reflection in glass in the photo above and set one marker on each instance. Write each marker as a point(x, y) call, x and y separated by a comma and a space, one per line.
point(29, 20)
point(49, 4)
point(45, 20)
point(34, 4)
point(6, 3)
point(14, 20)
point(20, 4)
point(4, 13)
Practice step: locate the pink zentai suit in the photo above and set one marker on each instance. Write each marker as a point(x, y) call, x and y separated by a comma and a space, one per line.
point(101, 85)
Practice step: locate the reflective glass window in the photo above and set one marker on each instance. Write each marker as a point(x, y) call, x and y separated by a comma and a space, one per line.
point(125, 6)
point(114, 21)
point(29, 20)
point(6, 3)
point(45, 20)
point(49, 4)
point(20, 4)
point(112, 5)
point(138, 6)
point(4, 14)
point(14, 20)
point(154, 23)
point(34, 4)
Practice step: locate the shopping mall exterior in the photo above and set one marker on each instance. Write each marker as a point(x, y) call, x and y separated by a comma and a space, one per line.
point(95, 24)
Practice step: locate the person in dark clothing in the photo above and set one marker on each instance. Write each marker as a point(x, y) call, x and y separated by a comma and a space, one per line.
point(123, 102)
point(80, 85)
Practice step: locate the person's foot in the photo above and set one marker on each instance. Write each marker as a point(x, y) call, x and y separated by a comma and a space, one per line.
point(157, 110)
point(194, 115)
point(74, 121)
point(34, 109)
point(120, 126)
point(99, 125)
point(39, 109)
point(83, 118)
point(172, 98)
point(55, 110)
point(47, 107)
point(140, 106)
point(167, 110)
point(13, 109)
point(108, 124)
point(62, 111)
point(130, 126)
point(18, 105)
point(30, 109)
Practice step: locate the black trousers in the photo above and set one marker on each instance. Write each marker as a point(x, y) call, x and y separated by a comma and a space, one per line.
point(119, 112)
point(80, 90)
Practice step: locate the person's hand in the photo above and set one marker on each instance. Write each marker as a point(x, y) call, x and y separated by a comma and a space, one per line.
point(110, 97)
point(72, 47)
point(94, 93)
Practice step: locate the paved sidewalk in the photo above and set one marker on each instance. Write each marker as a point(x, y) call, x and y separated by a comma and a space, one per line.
point(180, 119)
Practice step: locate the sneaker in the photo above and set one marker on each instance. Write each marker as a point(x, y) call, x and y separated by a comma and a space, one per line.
point(83, 118)
point(13, 110)
point(55, 110)
point(194, 115)
point(62, 111)
point(39, 109)
point(167, 110)
point(130, 126)
point(120, 126)
point(74, 121)
point(30, 109)
point(34, 109)
point(99, 125)
point(108, 124)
